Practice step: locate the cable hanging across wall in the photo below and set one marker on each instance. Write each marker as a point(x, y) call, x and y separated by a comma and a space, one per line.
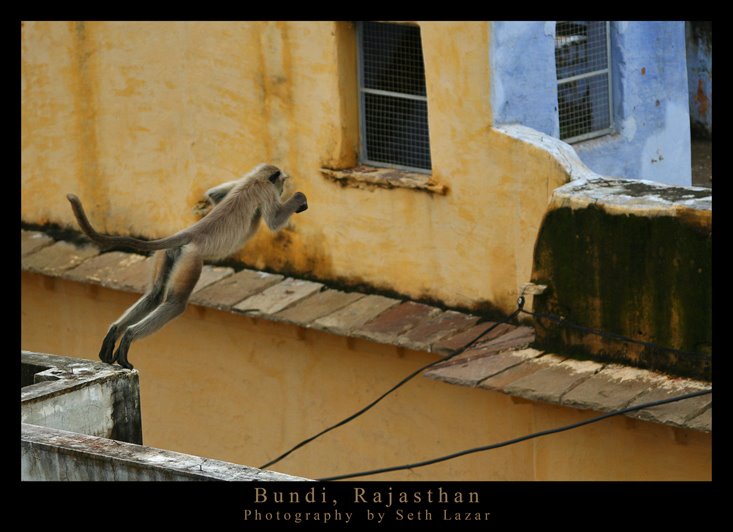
point(395, 387)
point(520, 439)
point(520, 309)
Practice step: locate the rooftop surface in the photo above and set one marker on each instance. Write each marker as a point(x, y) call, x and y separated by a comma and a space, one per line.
point(500, 361)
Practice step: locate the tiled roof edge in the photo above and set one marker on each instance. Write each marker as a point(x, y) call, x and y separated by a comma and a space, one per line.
point(501, 364)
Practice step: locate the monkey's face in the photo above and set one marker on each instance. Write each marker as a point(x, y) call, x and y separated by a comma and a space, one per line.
point(278, 178)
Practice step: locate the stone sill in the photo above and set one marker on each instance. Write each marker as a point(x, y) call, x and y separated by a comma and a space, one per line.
point(499, 362)
point(370, 177)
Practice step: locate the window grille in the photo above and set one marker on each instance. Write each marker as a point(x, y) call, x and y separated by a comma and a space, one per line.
point(394, 107)
point(583, 60)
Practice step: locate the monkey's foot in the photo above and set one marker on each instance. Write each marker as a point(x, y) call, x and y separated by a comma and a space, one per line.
point(125, 363)
point(121, 355)
point(108, 346)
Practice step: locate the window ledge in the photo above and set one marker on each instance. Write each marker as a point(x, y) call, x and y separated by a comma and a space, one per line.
point(372, 177)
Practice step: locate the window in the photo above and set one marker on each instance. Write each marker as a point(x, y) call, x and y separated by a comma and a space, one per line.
point(393, 102)
point(582, 60)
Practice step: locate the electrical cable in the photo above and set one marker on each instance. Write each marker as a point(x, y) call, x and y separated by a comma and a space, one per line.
point(520, 305)
point(520, 439)
point(611, 336)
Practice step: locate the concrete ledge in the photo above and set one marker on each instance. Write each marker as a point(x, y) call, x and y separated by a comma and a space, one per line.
point(90, 398)
point(54, 454)
point(624, 196)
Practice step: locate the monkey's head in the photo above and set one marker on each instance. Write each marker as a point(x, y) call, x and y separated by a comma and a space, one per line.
point(273, 174)
point(278, 178)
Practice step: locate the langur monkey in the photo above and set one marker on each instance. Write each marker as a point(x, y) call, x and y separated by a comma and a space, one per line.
point(237, 209)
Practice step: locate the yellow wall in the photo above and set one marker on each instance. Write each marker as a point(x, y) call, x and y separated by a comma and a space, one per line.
point(239, 389)
point(140, 118)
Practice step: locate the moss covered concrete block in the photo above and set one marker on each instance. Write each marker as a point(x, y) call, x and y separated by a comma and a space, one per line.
point(630, 258)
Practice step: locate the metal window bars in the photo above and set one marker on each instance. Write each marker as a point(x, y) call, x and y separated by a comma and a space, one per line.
point(583, 64)
point(393, 102)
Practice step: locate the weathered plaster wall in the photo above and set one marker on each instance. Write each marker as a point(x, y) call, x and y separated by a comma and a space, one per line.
point(652, 138)
point(252, 388)
point(699, 38)
point(140, 118)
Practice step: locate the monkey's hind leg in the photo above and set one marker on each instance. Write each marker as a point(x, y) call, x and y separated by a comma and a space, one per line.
point(162, 265)
point(180, 283)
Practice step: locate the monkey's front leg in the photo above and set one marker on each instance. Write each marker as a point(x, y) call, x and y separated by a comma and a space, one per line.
point(300, 199)
point(277, 218)
point(219, 192)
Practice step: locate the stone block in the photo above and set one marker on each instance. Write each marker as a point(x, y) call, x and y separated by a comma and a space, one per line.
point(392, 323)
point(210, 275)
point(435, 328)
point(505, 337)
point(702, 422)
point(103, 269)
point(235, 288)
point(551, 383)
point(475, 367)
point(677, 413)
point(534, 361)
point(461, 340)
point(353, 316)
point(57, 258)
point(612, 388)
point(316, 306)
point(134, 276)
point(32, 241)
point(278, 297)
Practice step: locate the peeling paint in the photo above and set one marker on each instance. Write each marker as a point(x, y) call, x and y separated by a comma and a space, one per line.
point(581, 366)
point(701, 98)
point(667, 150)
point(628, 128)
point(700, 76)
point(649, 86)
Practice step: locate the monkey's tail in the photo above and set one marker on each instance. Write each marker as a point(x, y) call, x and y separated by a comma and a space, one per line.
point(105, 241)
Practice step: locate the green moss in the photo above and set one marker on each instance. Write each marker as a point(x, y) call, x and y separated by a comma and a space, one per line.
point(648, 278)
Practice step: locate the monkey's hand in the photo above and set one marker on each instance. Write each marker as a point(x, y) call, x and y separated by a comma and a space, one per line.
point(300, 198)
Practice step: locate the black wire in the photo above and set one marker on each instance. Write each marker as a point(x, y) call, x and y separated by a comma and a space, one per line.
point(520, 439)
point(520, 304)
point(612, 336)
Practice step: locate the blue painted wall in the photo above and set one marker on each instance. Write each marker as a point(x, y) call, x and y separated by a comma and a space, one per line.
point(651, 111)
point(523, 77)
